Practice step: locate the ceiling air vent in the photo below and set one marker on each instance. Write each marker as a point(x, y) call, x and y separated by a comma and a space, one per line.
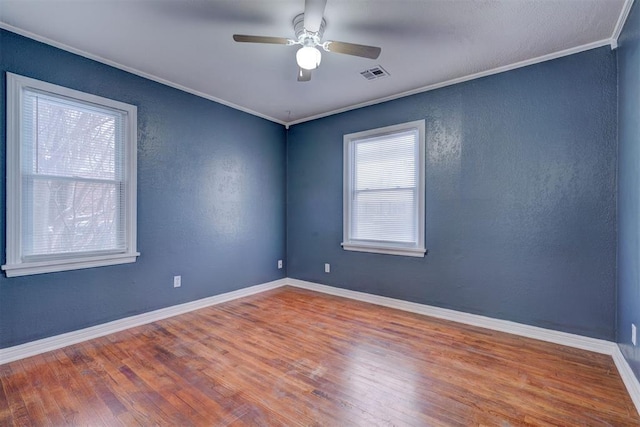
point(374, 73)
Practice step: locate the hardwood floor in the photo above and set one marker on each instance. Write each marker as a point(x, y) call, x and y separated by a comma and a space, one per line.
point(295, 357)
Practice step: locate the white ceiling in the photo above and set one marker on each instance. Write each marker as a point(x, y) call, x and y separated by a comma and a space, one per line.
point(425, 44)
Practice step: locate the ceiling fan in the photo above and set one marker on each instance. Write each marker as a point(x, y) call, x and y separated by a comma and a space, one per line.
point(309, 28)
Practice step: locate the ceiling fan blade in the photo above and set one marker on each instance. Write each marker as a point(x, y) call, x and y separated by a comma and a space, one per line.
point(313, 13)
point(304, 75)
point(364, 51)
point(260, 39)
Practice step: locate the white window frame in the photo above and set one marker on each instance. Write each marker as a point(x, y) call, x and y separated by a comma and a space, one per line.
point(16, 264)
point(417, 249)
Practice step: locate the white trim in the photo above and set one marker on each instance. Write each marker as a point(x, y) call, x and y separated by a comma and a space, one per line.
point(632, 384)
point(387, 250)
point(462, 79)
point(622, 19)
point(548, 335)
point(16, 263)
point(542, 334)
point(628, 377)
point(47, 344)
point(131, 70)
point(563, 338)
point(33, 348)
point(13, 183)
point(25, 269)
point(350, 141)
point(498, 70)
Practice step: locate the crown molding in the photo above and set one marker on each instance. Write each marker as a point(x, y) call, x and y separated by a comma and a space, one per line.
point(622, 19)
point(45, 40)
point(428, 88)
point(287, 125)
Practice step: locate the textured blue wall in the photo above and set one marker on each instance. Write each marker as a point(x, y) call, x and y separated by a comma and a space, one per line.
point(520, 199)
point(211, 202)
point(629, 187)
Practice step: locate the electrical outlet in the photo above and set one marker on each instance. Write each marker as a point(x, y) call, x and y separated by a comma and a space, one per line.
point(633, 334)
point(279, 264)
point(177, 281)
point(327, 268)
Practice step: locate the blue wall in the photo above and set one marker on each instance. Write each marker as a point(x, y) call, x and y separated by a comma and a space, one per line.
point(629, 187)
point(211, 202)
point(520, 199)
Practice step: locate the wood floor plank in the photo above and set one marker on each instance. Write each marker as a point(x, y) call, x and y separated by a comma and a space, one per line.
point(5, 410)
point(41, 410)
point(292, 357)
point(13, 391)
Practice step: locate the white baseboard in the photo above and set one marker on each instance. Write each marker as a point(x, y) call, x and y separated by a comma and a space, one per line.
point(628, 377)
point(557, 337)
point(571, 340)
point(33, 348)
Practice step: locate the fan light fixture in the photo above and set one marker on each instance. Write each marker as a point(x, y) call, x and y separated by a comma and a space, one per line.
point(308, 57)
point(309, 29)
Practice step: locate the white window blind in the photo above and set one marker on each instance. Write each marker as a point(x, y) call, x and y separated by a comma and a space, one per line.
point(384, 190)
point(70, 179)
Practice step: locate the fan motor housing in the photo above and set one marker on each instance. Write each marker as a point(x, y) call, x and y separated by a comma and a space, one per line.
point(298, 27)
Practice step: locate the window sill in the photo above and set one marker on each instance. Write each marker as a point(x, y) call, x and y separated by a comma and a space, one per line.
point(25, 269)
point(387, 250)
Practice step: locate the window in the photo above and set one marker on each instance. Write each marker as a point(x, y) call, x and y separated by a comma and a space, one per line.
point(384, 190)
point(71, 179)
